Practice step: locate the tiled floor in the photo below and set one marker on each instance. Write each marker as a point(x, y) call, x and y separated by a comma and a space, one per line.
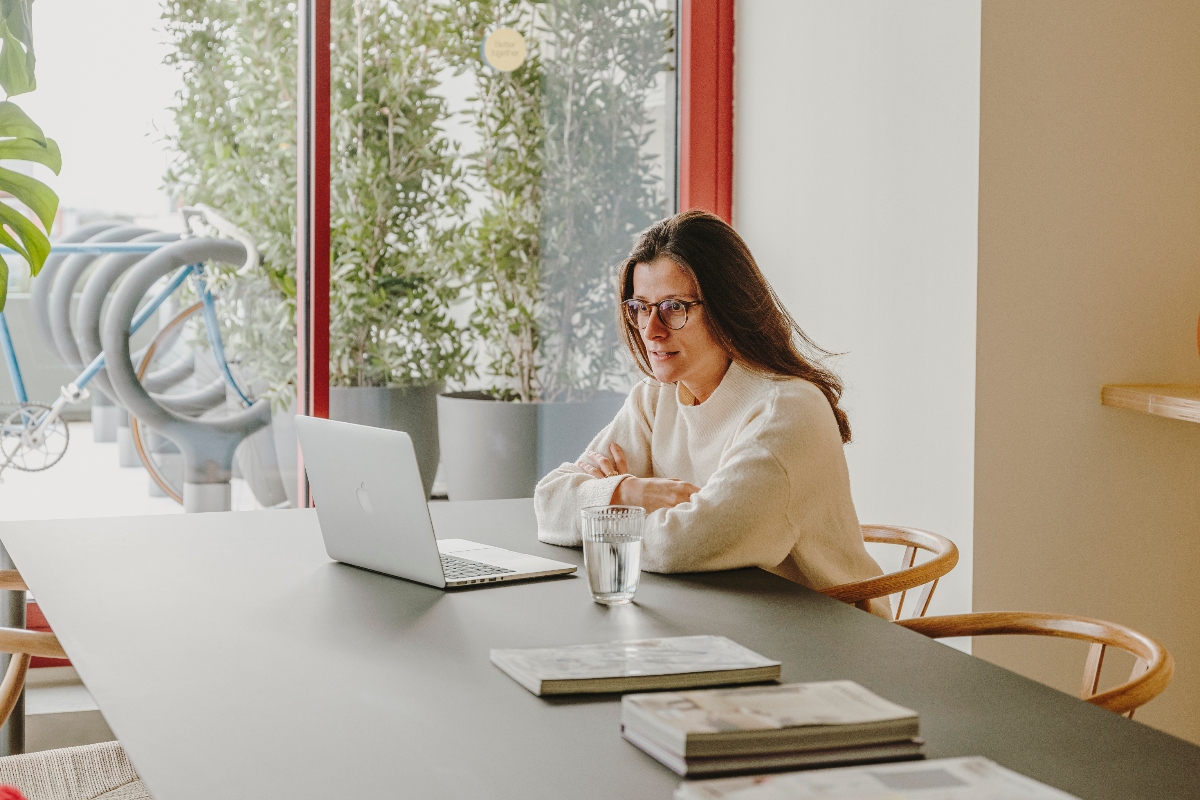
point(88, 482)
point(59, 711)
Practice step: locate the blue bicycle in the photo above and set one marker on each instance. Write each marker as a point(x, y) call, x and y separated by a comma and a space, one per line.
point(34, 437)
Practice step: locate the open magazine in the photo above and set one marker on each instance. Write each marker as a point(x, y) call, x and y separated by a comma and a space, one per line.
point(971, 778)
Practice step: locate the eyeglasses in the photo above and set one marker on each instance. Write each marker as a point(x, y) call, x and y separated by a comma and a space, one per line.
point(672, 313)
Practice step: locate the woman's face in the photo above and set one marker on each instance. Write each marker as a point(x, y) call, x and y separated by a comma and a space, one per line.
point(689, 355)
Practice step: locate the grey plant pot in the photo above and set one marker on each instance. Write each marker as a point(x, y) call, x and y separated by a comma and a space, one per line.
point(489, 448)
point(566, 429)
point(494, 450)
point(412, 409)
point(259, 465)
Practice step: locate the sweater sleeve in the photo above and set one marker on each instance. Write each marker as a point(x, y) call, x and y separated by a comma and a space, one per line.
point(738, 519)
point(779, 500)
point(562, 493)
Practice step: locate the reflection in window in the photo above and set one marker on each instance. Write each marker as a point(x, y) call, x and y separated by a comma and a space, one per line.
point(575, 156)
point(516, 191)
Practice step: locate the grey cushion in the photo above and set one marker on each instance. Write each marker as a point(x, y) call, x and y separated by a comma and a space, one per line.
point(92, 772)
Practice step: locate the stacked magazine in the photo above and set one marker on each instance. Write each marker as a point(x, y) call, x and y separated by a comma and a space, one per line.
point(971, 778)
point(754, 729)
point(640, 665)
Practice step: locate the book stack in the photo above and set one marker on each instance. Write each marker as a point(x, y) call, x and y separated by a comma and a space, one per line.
point(675, 662)
point(761, 728)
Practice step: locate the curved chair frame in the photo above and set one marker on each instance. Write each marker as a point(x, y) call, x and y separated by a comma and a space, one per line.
point(96, 770)
point(23, 645)
point(1151, 672)
point(910, 575)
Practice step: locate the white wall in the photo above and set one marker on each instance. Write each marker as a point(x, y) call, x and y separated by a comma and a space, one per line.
point(856, 171)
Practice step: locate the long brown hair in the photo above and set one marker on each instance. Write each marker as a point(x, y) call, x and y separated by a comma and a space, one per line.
point(742, 311)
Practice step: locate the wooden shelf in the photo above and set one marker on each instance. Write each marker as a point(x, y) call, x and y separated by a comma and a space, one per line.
point(1174, 400)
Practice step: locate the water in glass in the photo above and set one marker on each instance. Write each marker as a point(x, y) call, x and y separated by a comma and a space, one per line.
point(612, 551)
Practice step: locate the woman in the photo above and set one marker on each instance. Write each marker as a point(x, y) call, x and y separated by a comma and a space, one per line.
point(735, 447)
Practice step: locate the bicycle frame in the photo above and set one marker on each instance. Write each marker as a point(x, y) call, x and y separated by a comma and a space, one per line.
point(6, 343)
point(10, 360)
point(77, 389)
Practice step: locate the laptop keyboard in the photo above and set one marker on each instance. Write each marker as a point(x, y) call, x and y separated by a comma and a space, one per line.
point(456, 568)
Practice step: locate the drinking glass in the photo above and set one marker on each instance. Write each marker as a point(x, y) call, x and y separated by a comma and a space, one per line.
point(612, 551)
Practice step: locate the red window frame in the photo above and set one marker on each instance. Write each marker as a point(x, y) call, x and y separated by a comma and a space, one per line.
point(312, 218)
point(706, 106)
point(705, 165)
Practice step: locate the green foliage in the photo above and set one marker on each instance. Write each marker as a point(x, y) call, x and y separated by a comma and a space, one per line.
point(530, 225)
point(395, 195)
point(566, 183)
point(397, 200)
point(235, 144)
point(22, 140)
point(16, 52)
point(502, 247)
point(603, 59)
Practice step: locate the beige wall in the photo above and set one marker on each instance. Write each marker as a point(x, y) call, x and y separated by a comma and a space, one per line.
point(1089, 273)
point(856, 166)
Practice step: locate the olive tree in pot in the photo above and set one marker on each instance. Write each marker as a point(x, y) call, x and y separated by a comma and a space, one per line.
point(567, 185)
point(396, 202)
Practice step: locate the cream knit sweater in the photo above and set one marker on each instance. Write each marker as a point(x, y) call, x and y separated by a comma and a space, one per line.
point(774, 487)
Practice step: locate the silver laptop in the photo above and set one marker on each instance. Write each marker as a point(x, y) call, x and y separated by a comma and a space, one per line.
point(373, 513)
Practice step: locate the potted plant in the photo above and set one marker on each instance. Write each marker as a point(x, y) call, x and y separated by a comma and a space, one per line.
point(396, 201)
point(568, 185)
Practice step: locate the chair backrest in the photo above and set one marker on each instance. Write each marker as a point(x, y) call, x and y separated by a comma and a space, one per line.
point(911, 575)
point(1151, 672)
point(23, 645)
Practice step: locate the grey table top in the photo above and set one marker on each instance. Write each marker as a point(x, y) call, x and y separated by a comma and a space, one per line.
point(235, 660)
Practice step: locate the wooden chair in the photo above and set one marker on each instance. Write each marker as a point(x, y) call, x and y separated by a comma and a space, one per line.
point(911, 575)
point(1151, 672)
point(92, 772)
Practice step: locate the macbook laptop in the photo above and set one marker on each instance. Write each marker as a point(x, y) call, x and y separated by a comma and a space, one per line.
point(373, 512)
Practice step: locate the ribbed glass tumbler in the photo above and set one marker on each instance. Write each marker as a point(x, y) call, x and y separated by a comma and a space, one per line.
point(612, 551)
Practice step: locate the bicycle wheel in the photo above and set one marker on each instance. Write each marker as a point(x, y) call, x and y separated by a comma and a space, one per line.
point(171, 484)
point(26, 448)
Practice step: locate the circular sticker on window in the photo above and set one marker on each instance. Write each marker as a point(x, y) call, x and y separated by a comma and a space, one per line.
point(504, 49)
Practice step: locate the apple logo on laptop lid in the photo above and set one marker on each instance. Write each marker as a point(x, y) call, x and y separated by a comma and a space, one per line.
point(364, 501)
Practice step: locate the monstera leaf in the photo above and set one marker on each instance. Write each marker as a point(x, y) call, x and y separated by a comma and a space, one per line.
point(22, 140)
point(16, 53)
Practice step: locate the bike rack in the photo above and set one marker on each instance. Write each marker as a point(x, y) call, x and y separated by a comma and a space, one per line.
point(106, 417)
point(87, 338)
point(33, 430)
point(85, 331)
point(39, 293)
point(208, 446)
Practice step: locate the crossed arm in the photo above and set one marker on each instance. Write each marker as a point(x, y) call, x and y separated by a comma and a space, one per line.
point(649, 493)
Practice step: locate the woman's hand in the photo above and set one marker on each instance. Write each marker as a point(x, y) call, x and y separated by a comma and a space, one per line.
point(599, 466)
point(653, 493)
point(649, 493)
